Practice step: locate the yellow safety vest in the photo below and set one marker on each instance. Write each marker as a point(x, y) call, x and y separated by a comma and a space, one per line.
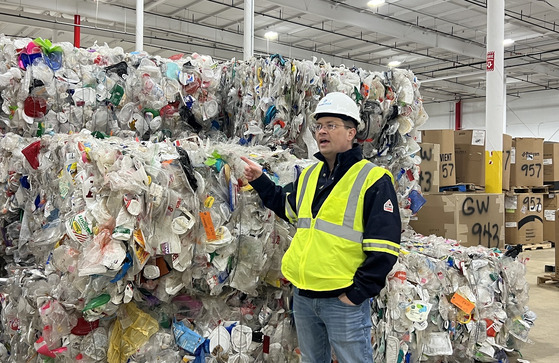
point(327, 250)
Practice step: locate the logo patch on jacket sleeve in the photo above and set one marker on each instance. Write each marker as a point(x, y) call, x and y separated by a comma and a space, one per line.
point(388, 207)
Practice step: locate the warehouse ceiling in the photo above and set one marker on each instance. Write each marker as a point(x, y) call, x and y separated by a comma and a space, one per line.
point(442, 41)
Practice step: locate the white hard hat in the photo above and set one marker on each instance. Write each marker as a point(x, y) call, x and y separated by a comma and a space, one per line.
point(339, 104)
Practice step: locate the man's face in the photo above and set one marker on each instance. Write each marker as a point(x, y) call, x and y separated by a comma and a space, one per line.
point(333, 136)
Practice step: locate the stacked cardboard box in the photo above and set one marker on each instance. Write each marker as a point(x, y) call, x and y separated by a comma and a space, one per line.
point(524, 210)
point(550, 217)
point(469, 148)
point(447, 167)
point(551, 164)
point(507, 148)
point(551, 200)
point(527, 162)
point(472, 218)
point(556, 262)
point(429, 167)
point(524, 218)
point(462, 158)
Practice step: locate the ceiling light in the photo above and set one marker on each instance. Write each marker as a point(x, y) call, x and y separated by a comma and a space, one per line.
point(394, 64)
point(508, 42)
point(271, 35)
point(375, 3)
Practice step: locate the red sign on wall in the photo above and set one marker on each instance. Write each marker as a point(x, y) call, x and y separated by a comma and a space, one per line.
point(490, 63)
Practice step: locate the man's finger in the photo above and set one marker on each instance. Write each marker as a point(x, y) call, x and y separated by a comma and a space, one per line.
point(248, 161)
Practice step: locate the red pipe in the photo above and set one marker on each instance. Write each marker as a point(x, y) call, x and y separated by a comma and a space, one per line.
point(458, 115)
point(77, 30)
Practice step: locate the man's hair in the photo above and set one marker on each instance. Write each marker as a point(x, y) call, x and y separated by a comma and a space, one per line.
point(342, 117)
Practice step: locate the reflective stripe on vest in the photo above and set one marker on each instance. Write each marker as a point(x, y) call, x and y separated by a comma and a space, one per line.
point(346, 230)
point(289, 212)
point(307, 173)
point(331, 228)
point(381, 246)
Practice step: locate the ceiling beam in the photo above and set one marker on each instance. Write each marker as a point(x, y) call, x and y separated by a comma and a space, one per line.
point(375, 23)
point(217, 12)
point(453, 86)
point(154, 4)
point(183, 7)
point(468, 74)
point(228, 44)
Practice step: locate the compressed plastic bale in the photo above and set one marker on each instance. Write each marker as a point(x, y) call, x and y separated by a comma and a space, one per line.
point(472, 273)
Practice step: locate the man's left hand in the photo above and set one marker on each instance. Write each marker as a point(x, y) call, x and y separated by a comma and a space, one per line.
point(343, 298)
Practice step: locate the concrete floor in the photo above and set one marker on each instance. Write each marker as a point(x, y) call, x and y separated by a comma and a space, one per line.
point(544, 301)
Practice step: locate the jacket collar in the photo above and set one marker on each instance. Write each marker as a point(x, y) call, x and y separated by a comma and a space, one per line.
point(346, 158)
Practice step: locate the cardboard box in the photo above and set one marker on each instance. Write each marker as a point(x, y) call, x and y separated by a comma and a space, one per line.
point(557, 261)
point(523, 218)
point(472, 218)
point(526, 162)
point(551, 163)
point(551, 217)
point(469, 148)
point(447, 167)
point(429, 167)
point(507, 148)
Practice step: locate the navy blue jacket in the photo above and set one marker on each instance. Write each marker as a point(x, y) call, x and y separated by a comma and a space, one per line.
point(370, 277)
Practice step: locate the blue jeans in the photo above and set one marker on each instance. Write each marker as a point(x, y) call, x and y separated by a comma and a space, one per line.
point(323, 324)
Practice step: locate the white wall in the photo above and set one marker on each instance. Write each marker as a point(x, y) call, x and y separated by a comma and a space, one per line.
point(531, 115)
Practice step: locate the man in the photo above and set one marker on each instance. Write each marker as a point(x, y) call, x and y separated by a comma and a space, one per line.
point(347, 239)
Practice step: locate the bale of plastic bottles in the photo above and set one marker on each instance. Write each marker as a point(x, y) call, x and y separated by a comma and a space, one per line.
point(447, 303)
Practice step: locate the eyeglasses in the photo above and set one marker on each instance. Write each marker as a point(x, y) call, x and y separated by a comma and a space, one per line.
point(327, 127)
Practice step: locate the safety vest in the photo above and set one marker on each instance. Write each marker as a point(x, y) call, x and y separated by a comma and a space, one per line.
point(327, 249)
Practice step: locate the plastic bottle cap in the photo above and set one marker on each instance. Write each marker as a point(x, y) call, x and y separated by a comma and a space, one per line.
point(151, 272)
point(133, 207)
